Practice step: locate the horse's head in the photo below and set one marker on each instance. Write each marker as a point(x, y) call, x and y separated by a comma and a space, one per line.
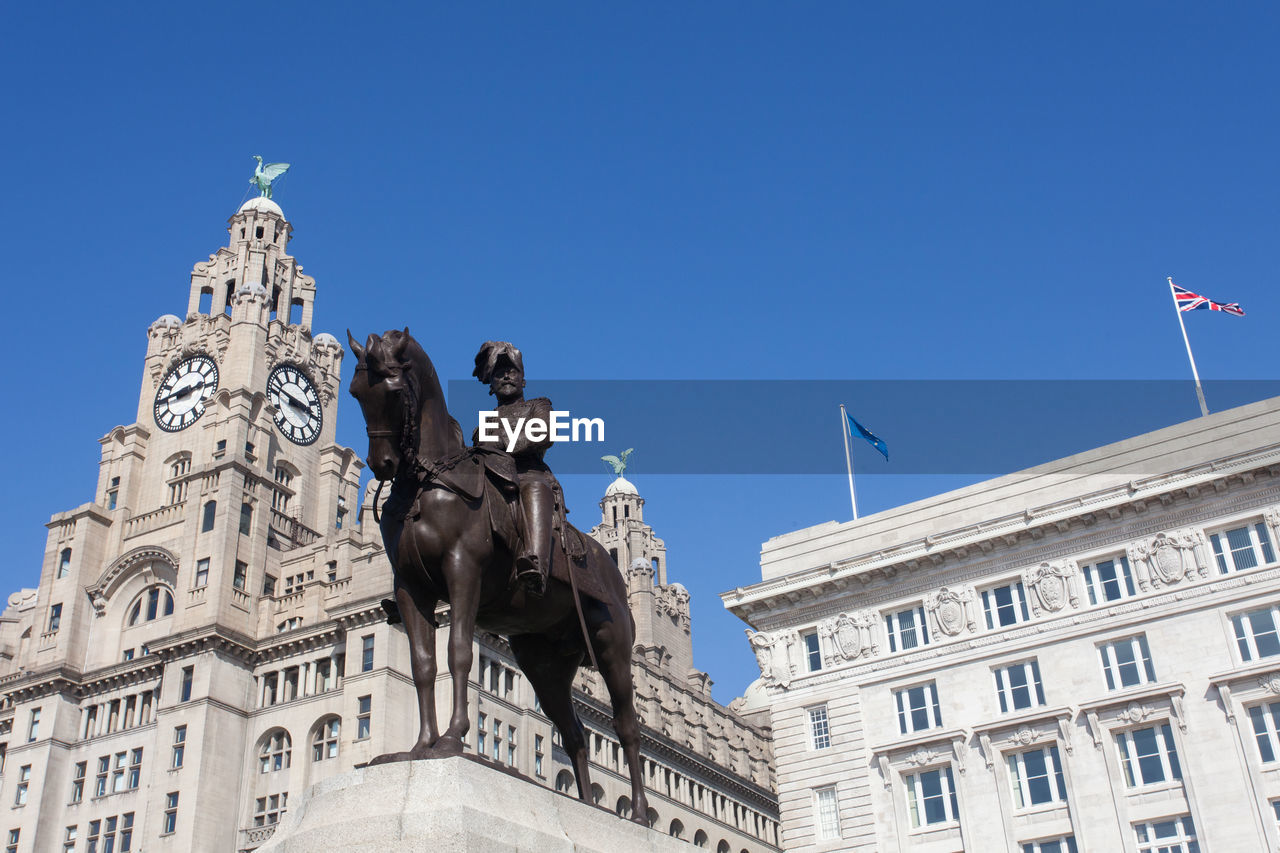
point(384, 387)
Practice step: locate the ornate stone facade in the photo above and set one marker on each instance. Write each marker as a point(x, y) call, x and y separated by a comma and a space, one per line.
point(206, 639)
point(1100, 630)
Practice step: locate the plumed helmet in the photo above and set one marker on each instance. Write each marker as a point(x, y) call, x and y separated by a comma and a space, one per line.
point(489, 355)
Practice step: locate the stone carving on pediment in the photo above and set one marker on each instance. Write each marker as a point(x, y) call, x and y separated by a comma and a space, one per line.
point(1168, 558)
point(922, 756)
point(1134, 712)
point(773, 655)
point(1270, 682)
point(849, 637)
point(950, 612)
point(1053, 586)
point(1022, 737)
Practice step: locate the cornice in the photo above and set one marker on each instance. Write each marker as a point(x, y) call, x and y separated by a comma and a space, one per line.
point(997, 543)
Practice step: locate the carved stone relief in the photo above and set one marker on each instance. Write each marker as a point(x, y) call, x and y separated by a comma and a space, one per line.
point(1168, 558)
point(950, 612)
point(848, 637)
point(773, 653)
point(1270, 682)
point(1052, 586)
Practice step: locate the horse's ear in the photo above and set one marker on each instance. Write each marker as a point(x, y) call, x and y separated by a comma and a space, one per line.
point(397, 351)
point(355, 347)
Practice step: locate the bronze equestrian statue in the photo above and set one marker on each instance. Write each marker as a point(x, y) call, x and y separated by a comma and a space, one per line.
point(451, 531)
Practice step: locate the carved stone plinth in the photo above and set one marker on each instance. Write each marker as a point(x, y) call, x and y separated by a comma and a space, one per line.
point(452, 805)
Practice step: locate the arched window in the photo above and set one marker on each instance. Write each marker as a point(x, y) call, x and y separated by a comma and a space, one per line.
point(677, 829)
point(722, 847)
point(623, 808)
point(154, 603)
point(324, 740)
point(597, 794)
point(564, 781)
point(700, 839)
point(274, 753)
point(652, 817)
point(64, 563)
point(210, 509)
point(246, 518)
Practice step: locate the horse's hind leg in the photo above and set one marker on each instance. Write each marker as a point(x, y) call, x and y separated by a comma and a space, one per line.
point(612, 640)
point(550, 673)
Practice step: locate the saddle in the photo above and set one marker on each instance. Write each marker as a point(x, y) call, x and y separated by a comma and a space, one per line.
point(483, 472)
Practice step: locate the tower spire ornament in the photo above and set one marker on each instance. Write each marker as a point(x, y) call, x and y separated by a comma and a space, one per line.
point(266, 174)
point(619, 465)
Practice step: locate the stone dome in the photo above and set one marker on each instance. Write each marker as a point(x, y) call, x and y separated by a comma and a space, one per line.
point(262, 203)
point(621, 486)
point(324, 339)
point(166, 321)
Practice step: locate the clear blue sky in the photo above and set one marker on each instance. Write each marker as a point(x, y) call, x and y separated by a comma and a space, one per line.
point(647, 191)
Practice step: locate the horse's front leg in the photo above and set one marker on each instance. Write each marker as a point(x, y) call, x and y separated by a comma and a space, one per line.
point(463, 578)
point(418, 611)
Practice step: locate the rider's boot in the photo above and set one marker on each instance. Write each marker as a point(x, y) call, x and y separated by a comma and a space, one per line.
point(533, 564)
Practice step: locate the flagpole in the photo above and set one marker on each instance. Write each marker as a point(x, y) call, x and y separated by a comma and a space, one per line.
point(1204, 407)
point(848, 459)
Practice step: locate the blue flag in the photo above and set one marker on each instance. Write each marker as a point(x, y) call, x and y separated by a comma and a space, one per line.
point(872, 439)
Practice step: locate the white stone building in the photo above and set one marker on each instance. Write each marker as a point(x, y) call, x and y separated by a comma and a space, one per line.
point(1080, 656)
point(207, 639)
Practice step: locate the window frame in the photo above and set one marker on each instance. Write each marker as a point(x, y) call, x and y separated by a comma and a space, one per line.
point(1018, 604)
point(1006, 691)
point(918, 630)
point(1122, 578)
point(1186, 830)
point(1247, 641)
point(917, 802)
point(1166, 753)
point(1261, 549)
point(826, 813)
point(818, 720)
point(1113, 667)
point(1264, 718)
point(931, 707)
point(1020, 777)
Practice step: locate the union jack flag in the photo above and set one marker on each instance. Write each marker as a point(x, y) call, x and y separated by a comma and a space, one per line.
point(1188, 301)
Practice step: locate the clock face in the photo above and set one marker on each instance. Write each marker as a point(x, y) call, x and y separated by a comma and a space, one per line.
point(184, 391)
point(298, 415)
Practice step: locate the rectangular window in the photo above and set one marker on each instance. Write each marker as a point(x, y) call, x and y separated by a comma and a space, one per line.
point(135, 768)
point(1148, 756)
point(69, 839)
point(826, 813)
point(241, 577)
point(482, 734)
point(364, 717)
point(497, 739)
point(64, 563)
point(117, 773)
point(931, 797)
point(24, 782)
point(55, 617)
point(819, 728)
point(202, 573)
point(33, 725)
point(1062, 844)
point(1127, 662)
point(268, 810)
point(1005, 605)
point(918, 708)
point(1266, 720)
point(1109, 580)
point(906, 629)
point(812, 650)
point(94, 828)
point(1018, 686)
point(366, 654)
point(1173, 835)
point(126, 833)
point(179, 746)
point(246, 519)
point(12, 846)
point(537, 754)
point(77, 781)
point(170, 814)
point(104, 770)
point(210, 511)
point(1036, 777)
point(1256, 633)
point(1245, 547)
point(268, 586)
point(511, 746)
point(188, 675)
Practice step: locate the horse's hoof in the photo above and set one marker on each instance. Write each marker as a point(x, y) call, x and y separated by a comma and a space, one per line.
point(446, 747)
point(643, 820)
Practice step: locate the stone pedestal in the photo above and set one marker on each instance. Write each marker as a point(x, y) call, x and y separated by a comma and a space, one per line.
point(452, 805)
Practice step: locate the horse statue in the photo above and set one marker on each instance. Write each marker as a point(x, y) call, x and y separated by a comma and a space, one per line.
point(450, 533)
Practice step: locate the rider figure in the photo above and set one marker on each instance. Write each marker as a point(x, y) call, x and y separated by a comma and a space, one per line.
point(500, 365)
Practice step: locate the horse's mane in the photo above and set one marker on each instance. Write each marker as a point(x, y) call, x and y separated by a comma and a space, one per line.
point(383, 350)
